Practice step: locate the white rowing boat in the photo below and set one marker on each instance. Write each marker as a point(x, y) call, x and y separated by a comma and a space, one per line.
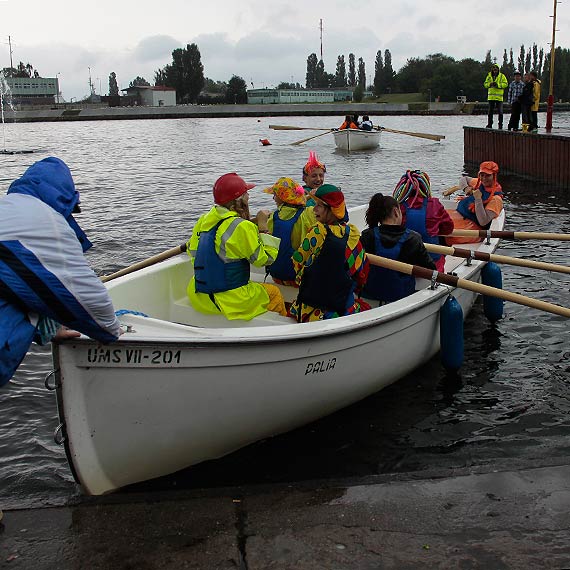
point(353, 139)
point(179, 387)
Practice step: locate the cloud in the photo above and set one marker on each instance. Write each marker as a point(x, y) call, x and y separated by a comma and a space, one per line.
point(154, 48)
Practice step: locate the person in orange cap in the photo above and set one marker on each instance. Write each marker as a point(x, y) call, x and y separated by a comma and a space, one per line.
point(290, 222)
point(481, 205)
point(331, 264)
point(223, 244)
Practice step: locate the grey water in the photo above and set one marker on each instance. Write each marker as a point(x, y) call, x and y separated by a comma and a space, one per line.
point(144, 183)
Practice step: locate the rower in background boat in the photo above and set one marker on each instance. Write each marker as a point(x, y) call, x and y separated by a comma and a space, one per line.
point(482, 204)
point(331, 264)
point(422, 212)
point(388, 236)
point(223, 244)
point(290, 223)
point(348, 123)
point(313, 175)
point(366, 124)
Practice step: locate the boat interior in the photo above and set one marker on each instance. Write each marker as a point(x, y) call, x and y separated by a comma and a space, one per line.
point(159, 291)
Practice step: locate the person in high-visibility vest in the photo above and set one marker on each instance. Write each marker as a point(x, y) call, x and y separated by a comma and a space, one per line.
point(495, 83)
point(223, 244)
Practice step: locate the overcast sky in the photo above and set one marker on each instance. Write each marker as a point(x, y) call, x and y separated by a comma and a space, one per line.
point(263, 41)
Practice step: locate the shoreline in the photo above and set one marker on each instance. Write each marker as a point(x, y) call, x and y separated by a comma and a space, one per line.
point(77, 112)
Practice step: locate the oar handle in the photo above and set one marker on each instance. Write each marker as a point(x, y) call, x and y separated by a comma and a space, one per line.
point(454, 281)
point(147, 262)
point(483, 256)
point(509, 235)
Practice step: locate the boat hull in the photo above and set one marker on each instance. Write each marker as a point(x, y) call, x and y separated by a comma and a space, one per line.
point(352, 139)
point(168, 395)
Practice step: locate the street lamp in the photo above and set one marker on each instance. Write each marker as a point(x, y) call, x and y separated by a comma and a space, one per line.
point(57, 87)
point(429, 91)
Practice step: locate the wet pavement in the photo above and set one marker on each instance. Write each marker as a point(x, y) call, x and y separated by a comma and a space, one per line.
point(495, 520)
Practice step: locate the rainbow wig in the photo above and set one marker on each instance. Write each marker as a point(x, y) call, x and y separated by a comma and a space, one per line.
point(412, 184)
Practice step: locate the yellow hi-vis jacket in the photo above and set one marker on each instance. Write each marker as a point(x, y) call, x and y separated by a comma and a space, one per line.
point(536, 95)
point(236, 238)
point(495, 93)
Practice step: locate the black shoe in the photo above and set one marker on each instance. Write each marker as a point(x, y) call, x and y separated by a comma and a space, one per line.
point(500, 127)
point(489, 127)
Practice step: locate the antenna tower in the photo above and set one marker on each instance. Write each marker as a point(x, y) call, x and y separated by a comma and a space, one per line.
point(321, 30)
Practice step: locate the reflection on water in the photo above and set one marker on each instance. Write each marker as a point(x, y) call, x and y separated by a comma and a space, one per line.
point(144, 183)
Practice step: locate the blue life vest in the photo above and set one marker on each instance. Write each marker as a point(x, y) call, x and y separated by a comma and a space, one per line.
point(384, 284)
point(326, 283)
point(211, 274)
point(282, 267)
point(416, 220)
point(465, 211)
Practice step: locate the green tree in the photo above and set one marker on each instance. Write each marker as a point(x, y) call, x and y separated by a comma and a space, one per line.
point(521, 59)
point(321, 76)
point(388, 71)
point(351, 70)
point(527, 61)
point(139, 82)
point(358, 93)
point(311, 77)
point(361, 73)
point(378, 74)
point(185, 74)
point(237, 90)
point(113, 87)
point(212, 86)
point(340, 74)
point(540, 62)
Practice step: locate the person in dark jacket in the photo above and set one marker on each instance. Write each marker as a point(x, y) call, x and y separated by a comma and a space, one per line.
point(526, 100)
point(388, 237)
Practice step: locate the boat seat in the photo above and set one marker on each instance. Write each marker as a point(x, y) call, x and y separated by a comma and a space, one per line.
point(184, 314)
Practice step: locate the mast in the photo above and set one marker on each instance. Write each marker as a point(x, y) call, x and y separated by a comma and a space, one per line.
point(11, 64)
point(550, 103)
point(321, 30)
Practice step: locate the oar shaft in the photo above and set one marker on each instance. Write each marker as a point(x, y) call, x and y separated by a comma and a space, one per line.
point(411, 134)
point(509, 235)
point(147, 262)
point(455, 281)
point(482, 256)
point(310, 138)
point(292, 128)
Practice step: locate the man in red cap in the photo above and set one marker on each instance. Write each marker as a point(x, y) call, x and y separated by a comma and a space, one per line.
point(481, 205)
point(223, 244)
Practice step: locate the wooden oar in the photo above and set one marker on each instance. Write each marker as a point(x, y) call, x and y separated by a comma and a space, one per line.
point(420, 135)
point(309, 138)
point(455, 281)
point(483, 256)
point(147, 262)
point(450, 191)
point(289, 128)
point(509, 235)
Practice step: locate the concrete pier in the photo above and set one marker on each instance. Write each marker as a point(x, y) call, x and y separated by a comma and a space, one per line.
point(518, 519)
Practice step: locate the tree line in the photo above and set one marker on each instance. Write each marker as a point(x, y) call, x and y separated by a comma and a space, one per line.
point(440, 75)
point(437, 74)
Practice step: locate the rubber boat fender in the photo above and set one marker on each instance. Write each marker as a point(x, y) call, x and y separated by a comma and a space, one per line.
point(492, 306)
point(265, 142)
point(451, 334)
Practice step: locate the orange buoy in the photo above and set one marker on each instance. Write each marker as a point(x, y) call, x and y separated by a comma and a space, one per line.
point(264, 142)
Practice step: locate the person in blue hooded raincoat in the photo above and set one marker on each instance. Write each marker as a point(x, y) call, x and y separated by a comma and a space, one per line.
point(47, 289)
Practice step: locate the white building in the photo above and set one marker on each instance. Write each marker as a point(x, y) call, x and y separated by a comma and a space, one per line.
point(267, 96)
point(33, 90)
point(157, 96)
